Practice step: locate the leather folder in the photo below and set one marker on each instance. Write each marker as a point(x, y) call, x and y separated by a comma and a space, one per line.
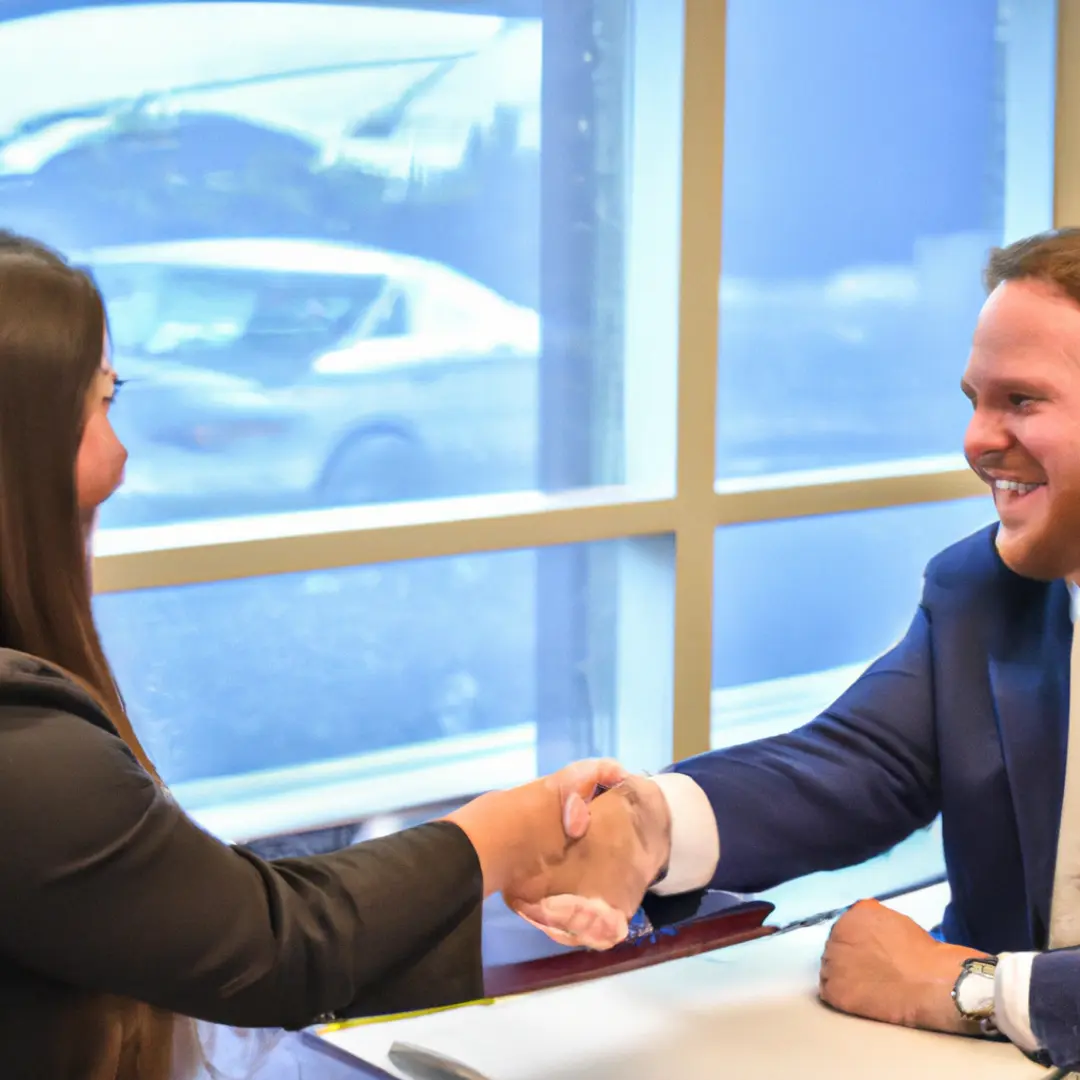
point(519, 958)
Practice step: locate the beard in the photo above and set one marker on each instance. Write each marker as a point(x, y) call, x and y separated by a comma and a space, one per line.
point(1048, 549)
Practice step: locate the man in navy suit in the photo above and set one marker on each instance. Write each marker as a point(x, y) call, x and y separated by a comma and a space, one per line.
point(967, 717)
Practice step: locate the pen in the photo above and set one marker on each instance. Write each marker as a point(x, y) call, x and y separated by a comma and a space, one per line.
point(421, 1064)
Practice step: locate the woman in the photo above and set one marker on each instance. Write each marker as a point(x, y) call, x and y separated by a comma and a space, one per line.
point(118, 915)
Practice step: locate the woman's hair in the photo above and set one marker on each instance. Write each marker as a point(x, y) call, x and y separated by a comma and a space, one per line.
point(52, 331)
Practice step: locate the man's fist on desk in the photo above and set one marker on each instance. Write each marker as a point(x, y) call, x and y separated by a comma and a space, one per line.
point(882, 965)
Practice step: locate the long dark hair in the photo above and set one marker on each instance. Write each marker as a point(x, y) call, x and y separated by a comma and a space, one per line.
point(52, 330)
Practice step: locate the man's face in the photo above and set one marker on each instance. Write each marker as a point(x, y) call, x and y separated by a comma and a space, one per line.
point(1023, 380)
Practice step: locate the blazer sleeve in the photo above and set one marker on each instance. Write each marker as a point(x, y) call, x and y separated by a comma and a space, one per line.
point(1054, 1005)
point(848, 786)
point(106, 885)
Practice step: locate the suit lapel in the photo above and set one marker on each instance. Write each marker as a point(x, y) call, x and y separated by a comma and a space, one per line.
point(1029, 679)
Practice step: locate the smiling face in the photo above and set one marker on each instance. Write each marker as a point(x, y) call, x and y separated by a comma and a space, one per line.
point(1023, 380)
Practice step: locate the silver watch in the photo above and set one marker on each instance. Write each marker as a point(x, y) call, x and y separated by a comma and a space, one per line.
point(973, 991)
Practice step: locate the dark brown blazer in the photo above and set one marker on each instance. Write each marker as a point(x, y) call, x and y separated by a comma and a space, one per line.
point(107, 886)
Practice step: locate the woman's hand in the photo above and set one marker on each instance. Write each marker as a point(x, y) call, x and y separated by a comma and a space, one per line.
point(521, 834)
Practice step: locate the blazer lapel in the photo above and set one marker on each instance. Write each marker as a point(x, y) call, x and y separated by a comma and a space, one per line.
point(1029, 679)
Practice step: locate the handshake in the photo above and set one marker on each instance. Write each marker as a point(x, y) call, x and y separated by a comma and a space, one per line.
point(574, 863)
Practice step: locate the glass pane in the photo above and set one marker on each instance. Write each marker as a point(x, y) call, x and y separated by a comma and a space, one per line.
point(352, 253)
point(291, 702)
point(866, 155)
point(802, 606)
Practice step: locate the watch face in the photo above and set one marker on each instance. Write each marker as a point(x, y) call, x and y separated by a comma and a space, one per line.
point(975, 993)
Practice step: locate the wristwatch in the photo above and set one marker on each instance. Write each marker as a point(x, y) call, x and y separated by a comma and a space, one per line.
point(973, 992)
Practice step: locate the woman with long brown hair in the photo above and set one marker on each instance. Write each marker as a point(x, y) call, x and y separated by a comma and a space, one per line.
point(119, 917)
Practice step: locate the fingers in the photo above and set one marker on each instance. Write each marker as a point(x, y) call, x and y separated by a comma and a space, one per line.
point(578, 784)
point(576, 920)
point(561, 937)
point(578, 923)
point(586, 776)
point(575, 816)
point(605, 773)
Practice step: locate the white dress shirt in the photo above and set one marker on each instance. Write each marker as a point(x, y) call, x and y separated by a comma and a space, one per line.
point(695, 852)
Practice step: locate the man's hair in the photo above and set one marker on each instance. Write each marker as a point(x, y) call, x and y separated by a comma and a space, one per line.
point(13, 243)
point(1053, 257)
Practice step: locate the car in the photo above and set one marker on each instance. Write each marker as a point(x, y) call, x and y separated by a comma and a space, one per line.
point(281, 374)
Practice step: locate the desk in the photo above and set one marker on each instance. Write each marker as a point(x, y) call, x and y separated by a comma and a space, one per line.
point(748, 1010)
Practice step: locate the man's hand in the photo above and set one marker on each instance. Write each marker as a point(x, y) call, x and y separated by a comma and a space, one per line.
point(588, 898)
point(520, 834)
point(882, 965)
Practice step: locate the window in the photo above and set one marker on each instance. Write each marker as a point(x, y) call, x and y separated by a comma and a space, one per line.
point(817, 599)
point(343, 279)
point(430, 437)
point(355, 253)
point(273, 703)
point(866, 174)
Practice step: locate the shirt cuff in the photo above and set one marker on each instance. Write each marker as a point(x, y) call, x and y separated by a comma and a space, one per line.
point(1012, 988)
point(695, 839)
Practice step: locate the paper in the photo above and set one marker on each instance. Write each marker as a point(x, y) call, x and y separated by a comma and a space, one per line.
point(546, 1034)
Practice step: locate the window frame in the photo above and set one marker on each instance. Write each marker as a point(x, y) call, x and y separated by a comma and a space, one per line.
point(670, 534)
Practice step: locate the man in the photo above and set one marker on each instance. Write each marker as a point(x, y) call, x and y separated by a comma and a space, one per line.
point(968, 716)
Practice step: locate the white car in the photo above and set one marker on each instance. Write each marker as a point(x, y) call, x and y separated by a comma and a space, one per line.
point(269, 374)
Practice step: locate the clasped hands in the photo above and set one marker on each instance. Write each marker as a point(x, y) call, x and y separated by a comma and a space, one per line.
point(574, 863)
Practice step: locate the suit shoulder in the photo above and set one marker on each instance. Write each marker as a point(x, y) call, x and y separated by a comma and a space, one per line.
point(972, 559)
point(970, 573)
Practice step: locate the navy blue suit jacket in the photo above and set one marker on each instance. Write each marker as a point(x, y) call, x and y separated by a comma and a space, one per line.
point(967, 716)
